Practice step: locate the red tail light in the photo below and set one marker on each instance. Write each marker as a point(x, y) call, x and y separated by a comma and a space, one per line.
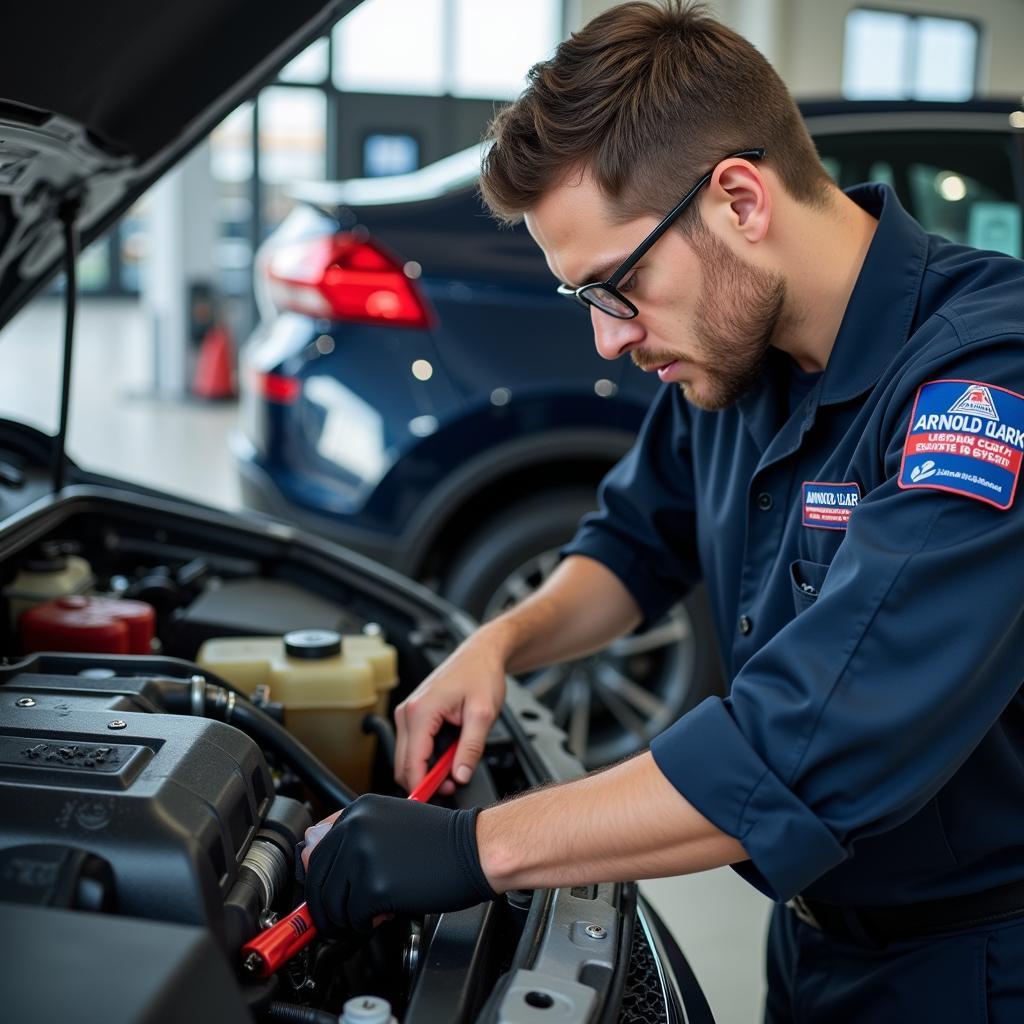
point(275, 388)
point(345, 277)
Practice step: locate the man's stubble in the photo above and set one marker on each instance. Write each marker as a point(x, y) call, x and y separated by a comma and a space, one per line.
point(737, 316)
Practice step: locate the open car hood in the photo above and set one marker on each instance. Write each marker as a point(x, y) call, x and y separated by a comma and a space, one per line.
point(96, 103)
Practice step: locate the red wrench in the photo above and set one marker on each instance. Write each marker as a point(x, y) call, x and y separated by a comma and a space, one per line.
point(274, 947)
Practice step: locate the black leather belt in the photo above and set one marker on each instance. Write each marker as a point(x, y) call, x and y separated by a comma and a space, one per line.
point(881, 925)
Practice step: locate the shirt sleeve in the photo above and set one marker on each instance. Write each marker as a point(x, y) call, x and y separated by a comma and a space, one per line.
point(855, 714)
point(645, 528)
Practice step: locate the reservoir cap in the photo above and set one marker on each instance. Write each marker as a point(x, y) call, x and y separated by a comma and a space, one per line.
point(312, 643)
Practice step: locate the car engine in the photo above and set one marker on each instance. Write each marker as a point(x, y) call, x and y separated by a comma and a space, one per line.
point(139, 785)
point(160, 760)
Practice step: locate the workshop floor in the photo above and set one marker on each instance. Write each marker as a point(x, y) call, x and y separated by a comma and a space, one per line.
point(117, 427)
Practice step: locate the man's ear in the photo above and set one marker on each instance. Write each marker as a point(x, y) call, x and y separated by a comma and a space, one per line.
point(740, 199)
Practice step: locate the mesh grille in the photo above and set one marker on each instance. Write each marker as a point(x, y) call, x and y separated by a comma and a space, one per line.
point(642, 1002)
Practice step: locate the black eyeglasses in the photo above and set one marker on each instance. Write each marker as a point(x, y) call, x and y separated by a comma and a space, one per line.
point(605, 295)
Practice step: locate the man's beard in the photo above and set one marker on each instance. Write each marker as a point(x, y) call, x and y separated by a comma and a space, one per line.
point(735, 320)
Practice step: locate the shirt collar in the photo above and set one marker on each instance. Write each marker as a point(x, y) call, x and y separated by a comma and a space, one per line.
point(881, 308)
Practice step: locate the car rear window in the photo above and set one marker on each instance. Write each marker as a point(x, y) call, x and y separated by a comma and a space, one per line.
point(958, 184)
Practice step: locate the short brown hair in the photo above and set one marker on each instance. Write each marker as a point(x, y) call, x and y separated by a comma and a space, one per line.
point(647, 97)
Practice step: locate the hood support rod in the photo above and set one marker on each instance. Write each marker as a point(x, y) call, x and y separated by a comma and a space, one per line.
point(68, 213)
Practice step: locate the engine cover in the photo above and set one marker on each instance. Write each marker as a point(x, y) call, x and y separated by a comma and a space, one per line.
point(170, 802)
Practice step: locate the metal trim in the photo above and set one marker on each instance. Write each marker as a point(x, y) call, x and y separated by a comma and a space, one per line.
point(918, 121)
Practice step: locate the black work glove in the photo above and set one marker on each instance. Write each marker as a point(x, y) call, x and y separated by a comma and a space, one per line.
point(390, 856)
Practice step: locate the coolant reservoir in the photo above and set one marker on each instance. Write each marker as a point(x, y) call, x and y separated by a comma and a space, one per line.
point(366, 1010)
point(325, 681)
point(44, 578)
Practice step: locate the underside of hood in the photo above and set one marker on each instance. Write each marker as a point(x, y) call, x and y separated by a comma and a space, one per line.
point(97, 101)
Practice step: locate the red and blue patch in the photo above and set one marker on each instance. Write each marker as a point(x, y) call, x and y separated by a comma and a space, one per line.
point(829, 506)
point(965, 438)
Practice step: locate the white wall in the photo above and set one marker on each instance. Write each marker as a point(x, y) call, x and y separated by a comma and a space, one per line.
point(804, 38)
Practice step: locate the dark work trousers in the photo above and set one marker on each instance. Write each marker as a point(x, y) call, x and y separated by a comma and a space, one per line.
point(975, 976)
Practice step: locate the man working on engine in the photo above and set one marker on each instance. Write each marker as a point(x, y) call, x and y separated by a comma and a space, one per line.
point(835, 451)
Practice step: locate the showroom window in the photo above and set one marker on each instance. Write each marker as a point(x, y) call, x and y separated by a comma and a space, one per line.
point(394, 46)
point(893, 55)
point(431, 51)
point(436, 61)
point(442, 47)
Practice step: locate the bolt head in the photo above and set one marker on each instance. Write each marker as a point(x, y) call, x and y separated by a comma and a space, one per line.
point(595, 931)
point(117, 723)
point(25, 702)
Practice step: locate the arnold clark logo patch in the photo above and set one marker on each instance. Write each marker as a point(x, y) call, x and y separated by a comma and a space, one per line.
point(965, 438)
point(828, 506)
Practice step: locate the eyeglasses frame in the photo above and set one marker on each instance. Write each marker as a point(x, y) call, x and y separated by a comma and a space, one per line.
point(611, 284)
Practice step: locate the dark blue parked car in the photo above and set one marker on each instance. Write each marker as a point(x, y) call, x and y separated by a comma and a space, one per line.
point(418, 391)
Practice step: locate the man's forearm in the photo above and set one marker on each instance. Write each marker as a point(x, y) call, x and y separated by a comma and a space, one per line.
point(625, 823)
point(580, 608)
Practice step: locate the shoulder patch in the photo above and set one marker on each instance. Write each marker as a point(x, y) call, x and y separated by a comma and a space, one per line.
point(965, 437)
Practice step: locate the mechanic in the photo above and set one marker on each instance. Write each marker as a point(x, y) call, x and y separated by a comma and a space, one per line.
point(835, 451)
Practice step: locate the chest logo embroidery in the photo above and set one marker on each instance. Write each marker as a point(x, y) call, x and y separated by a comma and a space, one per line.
point(828, 506)
point(965, 438)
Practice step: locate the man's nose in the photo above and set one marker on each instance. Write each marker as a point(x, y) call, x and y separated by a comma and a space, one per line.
point(614, 337)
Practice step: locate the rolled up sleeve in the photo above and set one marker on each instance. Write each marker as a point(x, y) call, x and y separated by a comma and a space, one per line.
point(708, 759)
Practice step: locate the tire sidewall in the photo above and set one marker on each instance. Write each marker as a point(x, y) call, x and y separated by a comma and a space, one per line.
point(546, 523)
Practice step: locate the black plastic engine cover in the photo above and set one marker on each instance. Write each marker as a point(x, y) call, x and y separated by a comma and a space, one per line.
point(170, 802)
point(81, 968)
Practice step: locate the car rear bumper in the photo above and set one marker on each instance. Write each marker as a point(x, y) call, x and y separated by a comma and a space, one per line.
point(261, 494)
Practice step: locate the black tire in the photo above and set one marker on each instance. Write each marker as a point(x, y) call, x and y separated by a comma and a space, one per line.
point(515, 550)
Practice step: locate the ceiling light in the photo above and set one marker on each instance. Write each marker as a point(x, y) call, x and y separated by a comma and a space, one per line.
point(950, 186)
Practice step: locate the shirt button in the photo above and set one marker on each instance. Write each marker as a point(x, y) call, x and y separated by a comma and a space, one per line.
point(745, 625)
point(764, 501)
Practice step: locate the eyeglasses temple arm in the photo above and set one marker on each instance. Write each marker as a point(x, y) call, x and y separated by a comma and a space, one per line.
point(641, 249)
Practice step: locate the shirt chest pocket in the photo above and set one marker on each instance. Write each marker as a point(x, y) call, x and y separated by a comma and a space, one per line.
point(806, 579)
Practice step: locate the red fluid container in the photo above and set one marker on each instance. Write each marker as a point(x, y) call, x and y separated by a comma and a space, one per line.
point(99, 625)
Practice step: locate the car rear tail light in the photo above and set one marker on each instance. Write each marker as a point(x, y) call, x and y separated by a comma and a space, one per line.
point(276, 388)
point(345, 277)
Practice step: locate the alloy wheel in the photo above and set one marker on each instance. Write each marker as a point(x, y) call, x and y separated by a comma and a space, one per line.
point(614, 702)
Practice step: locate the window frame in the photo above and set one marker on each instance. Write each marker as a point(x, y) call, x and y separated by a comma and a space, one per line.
point(914, 17)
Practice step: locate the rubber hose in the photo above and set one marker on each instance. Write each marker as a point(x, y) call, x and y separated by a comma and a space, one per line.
point(262, 728)
point(243, 714)
point(304, 1014)
point(381, 728)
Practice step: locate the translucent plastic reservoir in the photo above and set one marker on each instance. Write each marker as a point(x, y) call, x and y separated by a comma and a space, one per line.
point(39, 582)
point(326, 682)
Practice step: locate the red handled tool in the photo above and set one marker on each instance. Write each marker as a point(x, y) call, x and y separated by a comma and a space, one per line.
point(273, 948)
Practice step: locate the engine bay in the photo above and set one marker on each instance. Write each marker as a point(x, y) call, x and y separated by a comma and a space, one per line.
point(155, 771)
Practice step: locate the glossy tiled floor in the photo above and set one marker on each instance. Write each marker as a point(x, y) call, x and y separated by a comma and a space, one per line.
point(116, 427)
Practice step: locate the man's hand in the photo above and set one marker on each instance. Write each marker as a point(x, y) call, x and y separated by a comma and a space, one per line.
point(385, 856)
point(467, 691)
point(580, 607)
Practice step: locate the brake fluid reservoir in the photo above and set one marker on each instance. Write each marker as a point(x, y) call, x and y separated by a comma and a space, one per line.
point(325, 681)
point(44, 578)
point(97, 624)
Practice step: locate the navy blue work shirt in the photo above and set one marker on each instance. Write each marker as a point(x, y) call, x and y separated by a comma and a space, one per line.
point(871, 749)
